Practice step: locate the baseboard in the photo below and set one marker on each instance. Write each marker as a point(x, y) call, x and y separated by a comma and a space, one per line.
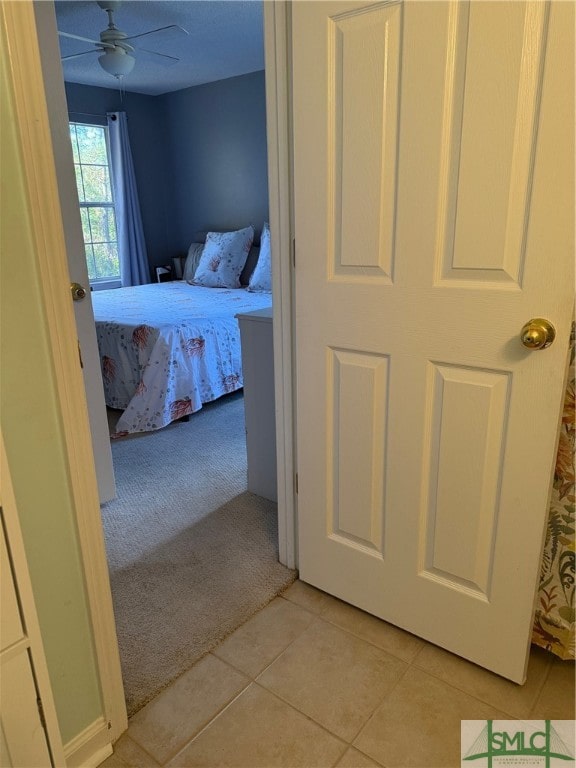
point(90, 747)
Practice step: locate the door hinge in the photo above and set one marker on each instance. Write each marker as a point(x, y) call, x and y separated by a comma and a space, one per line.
point(41, 712)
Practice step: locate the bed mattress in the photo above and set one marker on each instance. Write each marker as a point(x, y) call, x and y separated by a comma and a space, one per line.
point(167, 348)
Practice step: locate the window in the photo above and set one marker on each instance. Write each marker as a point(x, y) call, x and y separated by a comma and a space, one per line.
point(91, 163)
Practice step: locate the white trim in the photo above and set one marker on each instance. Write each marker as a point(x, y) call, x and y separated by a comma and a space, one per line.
point(25, 72)
point(277, 53)
point(90, 747)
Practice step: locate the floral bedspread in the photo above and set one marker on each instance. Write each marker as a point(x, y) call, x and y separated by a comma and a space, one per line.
point(554, 623)
point(166, 348)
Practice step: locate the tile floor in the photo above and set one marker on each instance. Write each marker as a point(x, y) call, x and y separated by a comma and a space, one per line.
point(311, 681)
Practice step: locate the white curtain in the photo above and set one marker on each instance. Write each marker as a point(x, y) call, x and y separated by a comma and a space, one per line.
point(134, 268)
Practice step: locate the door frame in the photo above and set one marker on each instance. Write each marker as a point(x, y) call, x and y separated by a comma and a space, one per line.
point(277, 47)
point(34, 133)
point(33, 128)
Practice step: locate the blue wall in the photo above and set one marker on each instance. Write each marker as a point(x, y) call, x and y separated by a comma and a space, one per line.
point(217, 141)
point(199, 156)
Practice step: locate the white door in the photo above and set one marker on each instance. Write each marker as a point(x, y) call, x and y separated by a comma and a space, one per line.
point(58, 115)
point(22, 737)
point(434, 217)
point(29, 735)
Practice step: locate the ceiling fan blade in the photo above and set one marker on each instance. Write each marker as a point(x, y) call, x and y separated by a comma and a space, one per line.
point(171, 29)
point(85, 39)
point(159, 58)
point(77, 55)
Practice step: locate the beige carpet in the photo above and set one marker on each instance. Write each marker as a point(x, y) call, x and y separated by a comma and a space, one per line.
point(192, 554)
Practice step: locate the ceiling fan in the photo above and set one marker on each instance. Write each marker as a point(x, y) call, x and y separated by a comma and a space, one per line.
point(114, 45)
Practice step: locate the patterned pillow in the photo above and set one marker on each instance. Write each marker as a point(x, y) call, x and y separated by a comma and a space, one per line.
point(223, 258)
point(261, 279)
point(192, 261)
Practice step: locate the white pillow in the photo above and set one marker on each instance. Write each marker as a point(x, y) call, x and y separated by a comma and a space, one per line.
point(223, 258)
point(261, 279)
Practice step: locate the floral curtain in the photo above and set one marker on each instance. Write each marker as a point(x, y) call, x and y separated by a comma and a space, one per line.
point(554, 623)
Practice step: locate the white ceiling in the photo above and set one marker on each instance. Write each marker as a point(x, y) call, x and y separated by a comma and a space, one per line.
point(225, 39)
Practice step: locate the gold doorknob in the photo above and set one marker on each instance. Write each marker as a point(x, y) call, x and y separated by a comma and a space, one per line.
point(78, 291)
point(538, 333)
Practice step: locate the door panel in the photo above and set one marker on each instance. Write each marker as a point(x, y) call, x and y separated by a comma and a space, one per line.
point(434, 216)
point(479, 400)
point(23, 738)
point(356, 429)
point(485, 242)
point(363, 80)
point(27, 740)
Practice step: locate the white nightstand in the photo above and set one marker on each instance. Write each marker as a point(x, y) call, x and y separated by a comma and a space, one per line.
point(259, 405)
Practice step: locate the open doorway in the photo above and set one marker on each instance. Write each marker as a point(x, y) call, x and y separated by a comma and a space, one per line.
point(178, 459)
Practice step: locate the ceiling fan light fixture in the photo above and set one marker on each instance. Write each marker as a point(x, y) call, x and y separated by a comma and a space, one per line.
point(117, 62)
point(109, 5)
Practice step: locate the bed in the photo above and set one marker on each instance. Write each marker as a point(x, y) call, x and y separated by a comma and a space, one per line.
point(167, 348)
